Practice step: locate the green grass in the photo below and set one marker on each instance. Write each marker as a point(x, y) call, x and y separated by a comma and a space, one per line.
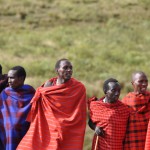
point(101, 38)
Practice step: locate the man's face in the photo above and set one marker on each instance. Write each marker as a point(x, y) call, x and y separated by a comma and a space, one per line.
point(65, 70)
point(13, 80)
point(113, 92)
point(140, 83)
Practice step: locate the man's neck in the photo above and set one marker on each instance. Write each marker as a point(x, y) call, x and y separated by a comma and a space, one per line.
point(60, 81)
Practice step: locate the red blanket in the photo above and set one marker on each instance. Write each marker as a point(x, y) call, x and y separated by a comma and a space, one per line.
point(113, 119)
point(58, 118)
point(147, 143)
point(138, 120)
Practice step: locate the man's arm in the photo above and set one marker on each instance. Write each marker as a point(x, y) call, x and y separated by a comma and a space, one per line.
point(98, 130)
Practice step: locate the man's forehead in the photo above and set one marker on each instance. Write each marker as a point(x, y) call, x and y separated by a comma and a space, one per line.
point(138, 75)
point(65, 62)
point(12, 72)
point(113, 84)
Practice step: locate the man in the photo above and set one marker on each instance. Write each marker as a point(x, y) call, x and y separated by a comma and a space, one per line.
point(3, 80)
point(14, 107)
point(58, 114)
point(138, 102)
point(108, 117)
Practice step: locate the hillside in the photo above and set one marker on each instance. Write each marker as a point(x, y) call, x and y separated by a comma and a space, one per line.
point(101, 38)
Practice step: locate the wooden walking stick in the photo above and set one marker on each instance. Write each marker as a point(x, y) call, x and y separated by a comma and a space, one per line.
point(95, 148)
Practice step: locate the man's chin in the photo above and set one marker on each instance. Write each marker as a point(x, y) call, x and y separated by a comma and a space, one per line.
point(142, 92)
point(68, 78)
point(12, 87)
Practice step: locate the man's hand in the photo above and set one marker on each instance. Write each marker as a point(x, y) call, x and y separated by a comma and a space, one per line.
point(99, 131)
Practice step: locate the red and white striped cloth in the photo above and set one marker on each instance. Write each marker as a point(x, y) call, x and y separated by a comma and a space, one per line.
point(58, 118)
point(112, 118)
point(139, 106)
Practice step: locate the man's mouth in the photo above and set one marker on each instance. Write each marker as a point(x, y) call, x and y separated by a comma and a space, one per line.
point(10, 84)
point(143, 89)
point(69, 74)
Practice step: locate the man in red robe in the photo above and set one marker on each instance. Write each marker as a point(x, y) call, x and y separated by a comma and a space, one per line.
point(138, 102)
point(108, 117)
point(58, 114)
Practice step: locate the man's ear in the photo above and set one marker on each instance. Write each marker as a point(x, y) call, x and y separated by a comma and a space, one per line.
point(22, 79)
point(105, 91)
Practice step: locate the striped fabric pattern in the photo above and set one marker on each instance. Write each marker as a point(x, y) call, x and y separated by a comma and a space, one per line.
point(138, 120)
point(14, 107)
point(112, 118)
point(58, 118)
point(147, 143)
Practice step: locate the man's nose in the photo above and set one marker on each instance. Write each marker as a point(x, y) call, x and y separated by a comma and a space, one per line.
point(69, 69)
point(9, 80)
point(144, 83)
point(116, 93)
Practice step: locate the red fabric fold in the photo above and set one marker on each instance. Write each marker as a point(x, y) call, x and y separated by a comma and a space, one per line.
point(139, 116)
point(58, 118)
point(112, 118)
point(147, 143)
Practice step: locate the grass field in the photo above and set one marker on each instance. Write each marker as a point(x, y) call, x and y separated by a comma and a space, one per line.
point(102, 39)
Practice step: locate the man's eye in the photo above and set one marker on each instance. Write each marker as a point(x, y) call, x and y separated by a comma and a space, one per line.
point(142, 81)
point(65, 68)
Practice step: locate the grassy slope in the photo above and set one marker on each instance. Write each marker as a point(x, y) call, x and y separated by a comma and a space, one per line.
point(102, 39)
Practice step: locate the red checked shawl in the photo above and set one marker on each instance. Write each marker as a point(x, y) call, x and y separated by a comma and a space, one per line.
point(147, 143)
point(113, 119)
point(138, 120)
point(58, 118)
